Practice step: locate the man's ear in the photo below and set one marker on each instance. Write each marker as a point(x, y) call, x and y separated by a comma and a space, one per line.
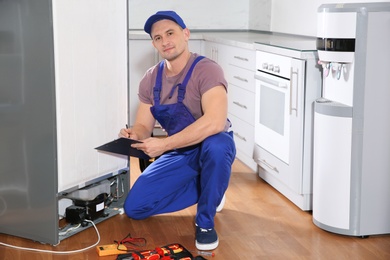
point(187, 33)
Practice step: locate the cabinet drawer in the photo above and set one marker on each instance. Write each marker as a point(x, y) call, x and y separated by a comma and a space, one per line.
point(242, 58)
point(241, 77)
point(271, 164)
point(242, 104)
point(243, 135)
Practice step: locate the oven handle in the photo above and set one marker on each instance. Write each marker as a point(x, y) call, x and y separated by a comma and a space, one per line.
point(296, 91)
point(271, 82)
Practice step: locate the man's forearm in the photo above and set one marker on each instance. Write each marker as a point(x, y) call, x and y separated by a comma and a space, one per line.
point(141, 132)
point(194, 133)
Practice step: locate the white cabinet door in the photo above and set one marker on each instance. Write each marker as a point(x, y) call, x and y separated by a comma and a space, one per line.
point(208, 50)
point(142, 56)
point(195, 46)
point(217, 52)
point(239, 68)
point(241, 104)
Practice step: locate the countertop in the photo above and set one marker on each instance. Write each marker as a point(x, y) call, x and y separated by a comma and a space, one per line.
point(285, 44)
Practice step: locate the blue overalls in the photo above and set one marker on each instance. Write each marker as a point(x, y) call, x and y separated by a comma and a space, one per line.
point(183, 177)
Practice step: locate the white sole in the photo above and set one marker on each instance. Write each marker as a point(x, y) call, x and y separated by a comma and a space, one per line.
point(222, 204)
point(210, 246)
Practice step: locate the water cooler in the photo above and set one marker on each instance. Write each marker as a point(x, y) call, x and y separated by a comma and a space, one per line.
point(351, 167)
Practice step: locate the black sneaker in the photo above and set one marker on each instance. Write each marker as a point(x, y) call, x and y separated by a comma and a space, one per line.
point(206, 239)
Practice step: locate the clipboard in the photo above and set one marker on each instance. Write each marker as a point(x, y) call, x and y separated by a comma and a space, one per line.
point(123, 146)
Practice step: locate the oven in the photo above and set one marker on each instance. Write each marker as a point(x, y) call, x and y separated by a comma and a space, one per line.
point(274, 104)
point(283, 125)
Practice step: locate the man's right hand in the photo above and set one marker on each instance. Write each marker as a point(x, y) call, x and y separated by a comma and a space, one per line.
point(127, 133)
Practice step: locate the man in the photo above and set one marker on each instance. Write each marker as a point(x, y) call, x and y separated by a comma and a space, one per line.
point(187, 95)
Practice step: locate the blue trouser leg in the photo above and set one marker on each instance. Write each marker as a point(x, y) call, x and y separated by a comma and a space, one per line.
point(180, 179)
point(216, 158)
point(167, 185)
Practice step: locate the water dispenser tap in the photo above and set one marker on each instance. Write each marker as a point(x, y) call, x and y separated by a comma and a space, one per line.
point(339, 69)
point(325, 66)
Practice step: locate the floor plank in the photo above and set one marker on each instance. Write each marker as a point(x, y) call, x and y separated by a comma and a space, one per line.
point(256, 223)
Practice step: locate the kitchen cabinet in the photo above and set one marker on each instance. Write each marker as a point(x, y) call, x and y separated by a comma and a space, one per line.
point(286, 87)
point(195, 46)
point(142, 56)
point(216, 52)
point(239, 68)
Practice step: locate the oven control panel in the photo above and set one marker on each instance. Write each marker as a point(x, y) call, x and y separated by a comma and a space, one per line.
point(273, 64)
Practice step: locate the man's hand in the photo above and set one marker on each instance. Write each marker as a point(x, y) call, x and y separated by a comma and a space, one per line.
point(127, 133)
point(151, 146)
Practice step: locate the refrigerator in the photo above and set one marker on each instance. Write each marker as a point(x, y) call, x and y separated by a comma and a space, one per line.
point(351, 168)
point(63, 92)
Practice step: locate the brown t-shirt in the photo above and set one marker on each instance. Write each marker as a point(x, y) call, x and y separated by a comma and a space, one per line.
point(206, 75)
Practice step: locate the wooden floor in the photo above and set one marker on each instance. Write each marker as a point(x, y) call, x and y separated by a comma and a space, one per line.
point(256, 223)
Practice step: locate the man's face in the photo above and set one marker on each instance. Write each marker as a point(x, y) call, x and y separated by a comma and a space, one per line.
point(169, 39)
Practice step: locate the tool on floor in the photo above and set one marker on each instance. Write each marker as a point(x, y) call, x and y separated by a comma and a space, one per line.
point(205, 253)
point(124, 246)
point(172, 251)
point(111, 249)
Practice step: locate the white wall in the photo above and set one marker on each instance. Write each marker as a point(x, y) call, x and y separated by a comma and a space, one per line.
point(203, 14)
point(260, 14)
point(285, 16)
point(300, 16)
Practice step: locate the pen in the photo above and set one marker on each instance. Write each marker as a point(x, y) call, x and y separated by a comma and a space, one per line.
point(127, 127)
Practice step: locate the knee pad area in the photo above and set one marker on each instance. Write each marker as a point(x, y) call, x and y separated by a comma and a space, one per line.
point(219, 145)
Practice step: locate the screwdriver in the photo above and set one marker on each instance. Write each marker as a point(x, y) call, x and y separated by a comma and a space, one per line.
point(212, 254)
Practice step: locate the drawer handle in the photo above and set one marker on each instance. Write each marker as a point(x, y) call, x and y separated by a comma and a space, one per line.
point(239, 136)
point(239, 104)
point(241, 58)
point(262, 161)
point(239, 78)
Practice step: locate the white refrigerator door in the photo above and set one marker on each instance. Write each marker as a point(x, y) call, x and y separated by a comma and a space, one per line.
point(90, 45)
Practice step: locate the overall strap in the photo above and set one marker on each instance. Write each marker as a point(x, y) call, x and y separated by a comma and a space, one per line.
point(158, 85)
point(182, 86)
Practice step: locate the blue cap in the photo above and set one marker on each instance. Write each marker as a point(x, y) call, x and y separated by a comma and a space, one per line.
point(161, 15)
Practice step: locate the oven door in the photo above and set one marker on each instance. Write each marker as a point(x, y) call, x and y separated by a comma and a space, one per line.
point(272, 114)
